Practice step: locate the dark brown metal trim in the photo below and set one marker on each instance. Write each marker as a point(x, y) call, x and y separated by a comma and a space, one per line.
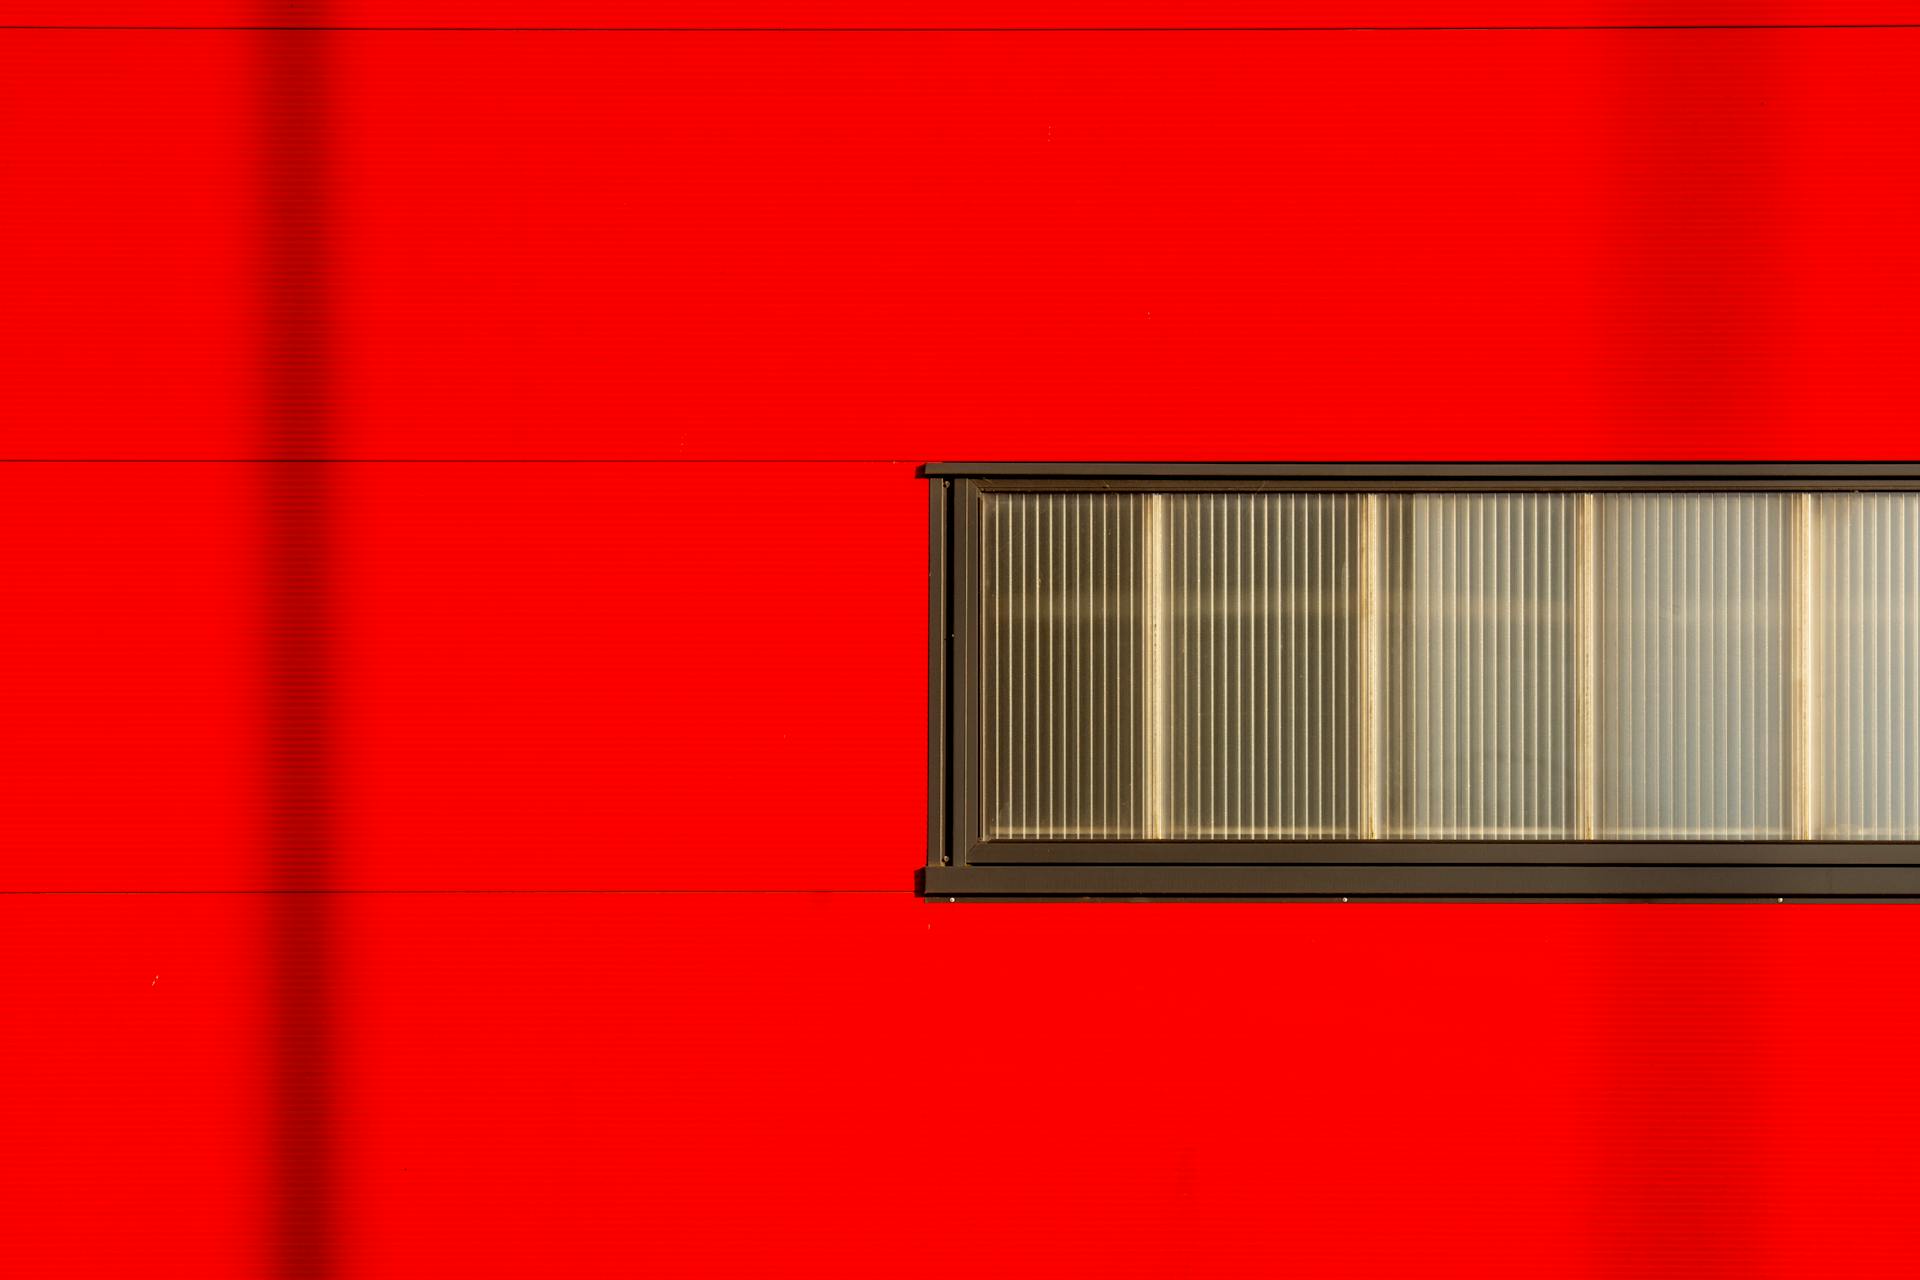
point(1387, 475)
point(1423, 882)
point(963, 754)
point(1532, 484)
point(939, 689)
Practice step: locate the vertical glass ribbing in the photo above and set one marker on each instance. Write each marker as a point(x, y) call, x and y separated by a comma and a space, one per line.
point(1263, 665)
point(1478, 670)
point(1193, 665)
point(1694, 654)
point(1063, 614)
point(1866, 688)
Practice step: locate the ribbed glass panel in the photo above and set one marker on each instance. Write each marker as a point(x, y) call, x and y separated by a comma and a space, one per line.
point(1479, 687)
point(1063, 621)
point(1450, 666)
point(1694, 660)
point(1262, 657)
point(1866, 641)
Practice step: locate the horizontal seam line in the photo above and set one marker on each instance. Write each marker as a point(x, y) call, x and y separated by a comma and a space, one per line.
point(743, 30)
point(432, 461)
point(159, 893)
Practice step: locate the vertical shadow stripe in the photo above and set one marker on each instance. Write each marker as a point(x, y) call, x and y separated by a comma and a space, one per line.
point(298, 605)
point(1698, 279)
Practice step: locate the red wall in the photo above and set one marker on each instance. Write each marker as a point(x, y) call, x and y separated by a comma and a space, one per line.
point(625, 346)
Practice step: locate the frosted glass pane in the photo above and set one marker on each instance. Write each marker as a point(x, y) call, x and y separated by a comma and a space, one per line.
point(1694, 665)
point(1478, 660)
point(1205, 666)
point(1262, 654)
point(1866, 634)
point(1063, 625)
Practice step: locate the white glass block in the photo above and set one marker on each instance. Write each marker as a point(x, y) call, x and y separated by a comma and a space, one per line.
point(1694, 660)
point(1478, 666)
point(1263, 665)
point(1062, 651)
point(1865, 628)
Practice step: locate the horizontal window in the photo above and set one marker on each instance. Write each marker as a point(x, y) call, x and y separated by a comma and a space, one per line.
point(1503, 671)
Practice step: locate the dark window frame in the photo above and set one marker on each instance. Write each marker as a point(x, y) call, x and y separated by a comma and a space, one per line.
point(962, 865)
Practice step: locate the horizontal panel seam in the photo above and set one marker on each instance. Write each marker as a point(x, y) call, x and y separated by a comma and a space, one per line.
point(976, 30)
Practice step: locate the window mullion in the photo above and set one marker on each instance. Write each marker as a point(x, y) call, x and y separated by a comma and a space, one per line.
point(1586, 595)
point(1803, 667)
point(1371, 623)
point(1154, 731)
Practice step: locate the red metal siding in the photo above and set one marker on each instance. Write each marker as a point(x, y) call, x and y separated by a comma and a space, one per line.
point(635, 339)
